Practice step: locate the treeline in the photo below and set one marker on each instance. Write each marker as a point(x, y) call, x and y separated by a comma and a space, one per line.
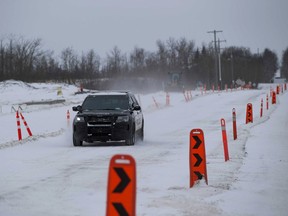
point(24, 59)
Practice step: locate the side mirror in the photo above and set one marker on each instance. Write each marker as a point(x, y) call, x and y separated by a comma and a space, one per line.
point(77, 108)
point(137, 107)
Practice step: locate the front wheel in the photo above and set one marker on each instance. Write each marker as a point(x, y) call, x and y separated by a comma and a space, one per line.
point(77, 142)
point(131, 139)
point(142, 132)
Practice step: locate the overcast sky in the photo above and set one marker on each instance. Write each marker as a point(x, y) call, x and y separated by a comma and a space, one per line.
point(103, 24)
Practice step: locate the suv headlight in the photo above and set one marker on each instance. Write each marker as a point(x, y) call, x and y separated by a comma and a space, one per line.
point(79, 119)
point(122, 119)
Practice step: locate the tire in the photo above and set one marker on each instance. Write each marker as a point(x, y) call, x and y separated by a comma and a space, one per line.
point(131, 139)
point(77, 142)
point(142, 132)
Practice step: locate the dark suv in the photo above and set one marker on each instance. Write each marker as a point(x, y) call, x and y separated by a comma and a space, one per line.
point(108, 116)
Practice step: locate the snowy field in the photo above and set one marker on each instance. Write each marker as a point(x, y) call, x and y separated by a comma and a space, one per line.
point(45, 175)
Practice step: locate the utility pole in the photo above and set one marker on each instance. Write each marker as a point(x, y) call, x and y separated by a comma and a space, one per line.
point(232, 69)
point(215, 54)
point(219, 58)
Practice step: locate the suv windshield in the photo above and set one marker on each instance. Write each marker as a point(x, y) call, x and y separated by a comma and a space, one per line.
point(106, 102)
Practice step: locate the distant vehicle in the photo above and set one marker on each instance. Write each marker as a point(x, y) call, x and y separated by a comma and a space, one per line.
point(108, 116)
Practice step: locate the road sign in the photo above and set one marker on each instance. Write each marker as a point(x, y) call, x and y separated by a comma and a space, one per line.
point(197, 157)
point(121, 189)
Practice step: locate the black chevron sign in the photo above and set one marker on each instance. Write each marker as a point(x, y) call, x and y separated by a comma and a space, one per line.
point(199, 160)
point(198, 142)
point(120, 209)
point(125, 180)
point(199, 175)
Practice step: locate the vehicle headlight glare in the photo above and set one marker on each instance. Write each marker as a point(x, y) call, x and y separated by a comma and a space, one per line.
point(122, 119)
point(79, 119)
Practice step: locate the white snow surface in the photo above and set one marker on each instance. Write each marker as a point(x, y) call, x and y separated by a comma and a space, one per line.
point(45, 175)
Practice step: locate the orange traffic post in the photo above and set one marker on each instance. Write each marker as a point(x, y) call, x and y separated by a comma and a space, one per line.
point(18, 126)
point(267, 102)
point(190, 95)
point(234, 124)
point(156, 104)
point(261, 108)
point(213, 88)
point(197, 157)
point(277, 89)
point(26, 125)
point(249, 113)
point(224, 138)
point(167, 99)
point(68, 115)
point(121, 188)
point(273, 97)
point(185, 96)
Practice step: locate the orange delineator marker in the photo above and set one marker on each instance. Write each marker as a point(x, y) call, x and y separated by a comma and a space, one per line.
point(26, 125)
point(197, 157)
point(121, 189)
point(185, 96)
point(156, 104)
point(267, 102)
point(234, 124)
point(273, 97)
point(261, 108)
point(277, 89)
point(167, 99)
point(18, 126)
point(249, 113)
point(190, 95)
point(68, 115)
point(224, 138)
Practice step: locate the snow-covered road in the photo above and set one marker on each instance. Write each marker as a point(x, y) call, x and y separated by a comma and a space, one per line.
point(45, 175)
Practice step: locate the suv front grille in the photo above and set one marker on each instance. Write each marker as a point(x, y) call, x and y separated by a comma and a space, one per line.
point(94, 121)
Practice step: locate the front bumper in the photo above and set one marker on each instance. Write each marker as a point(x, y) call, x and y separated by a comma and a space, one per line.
point(83, 131)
